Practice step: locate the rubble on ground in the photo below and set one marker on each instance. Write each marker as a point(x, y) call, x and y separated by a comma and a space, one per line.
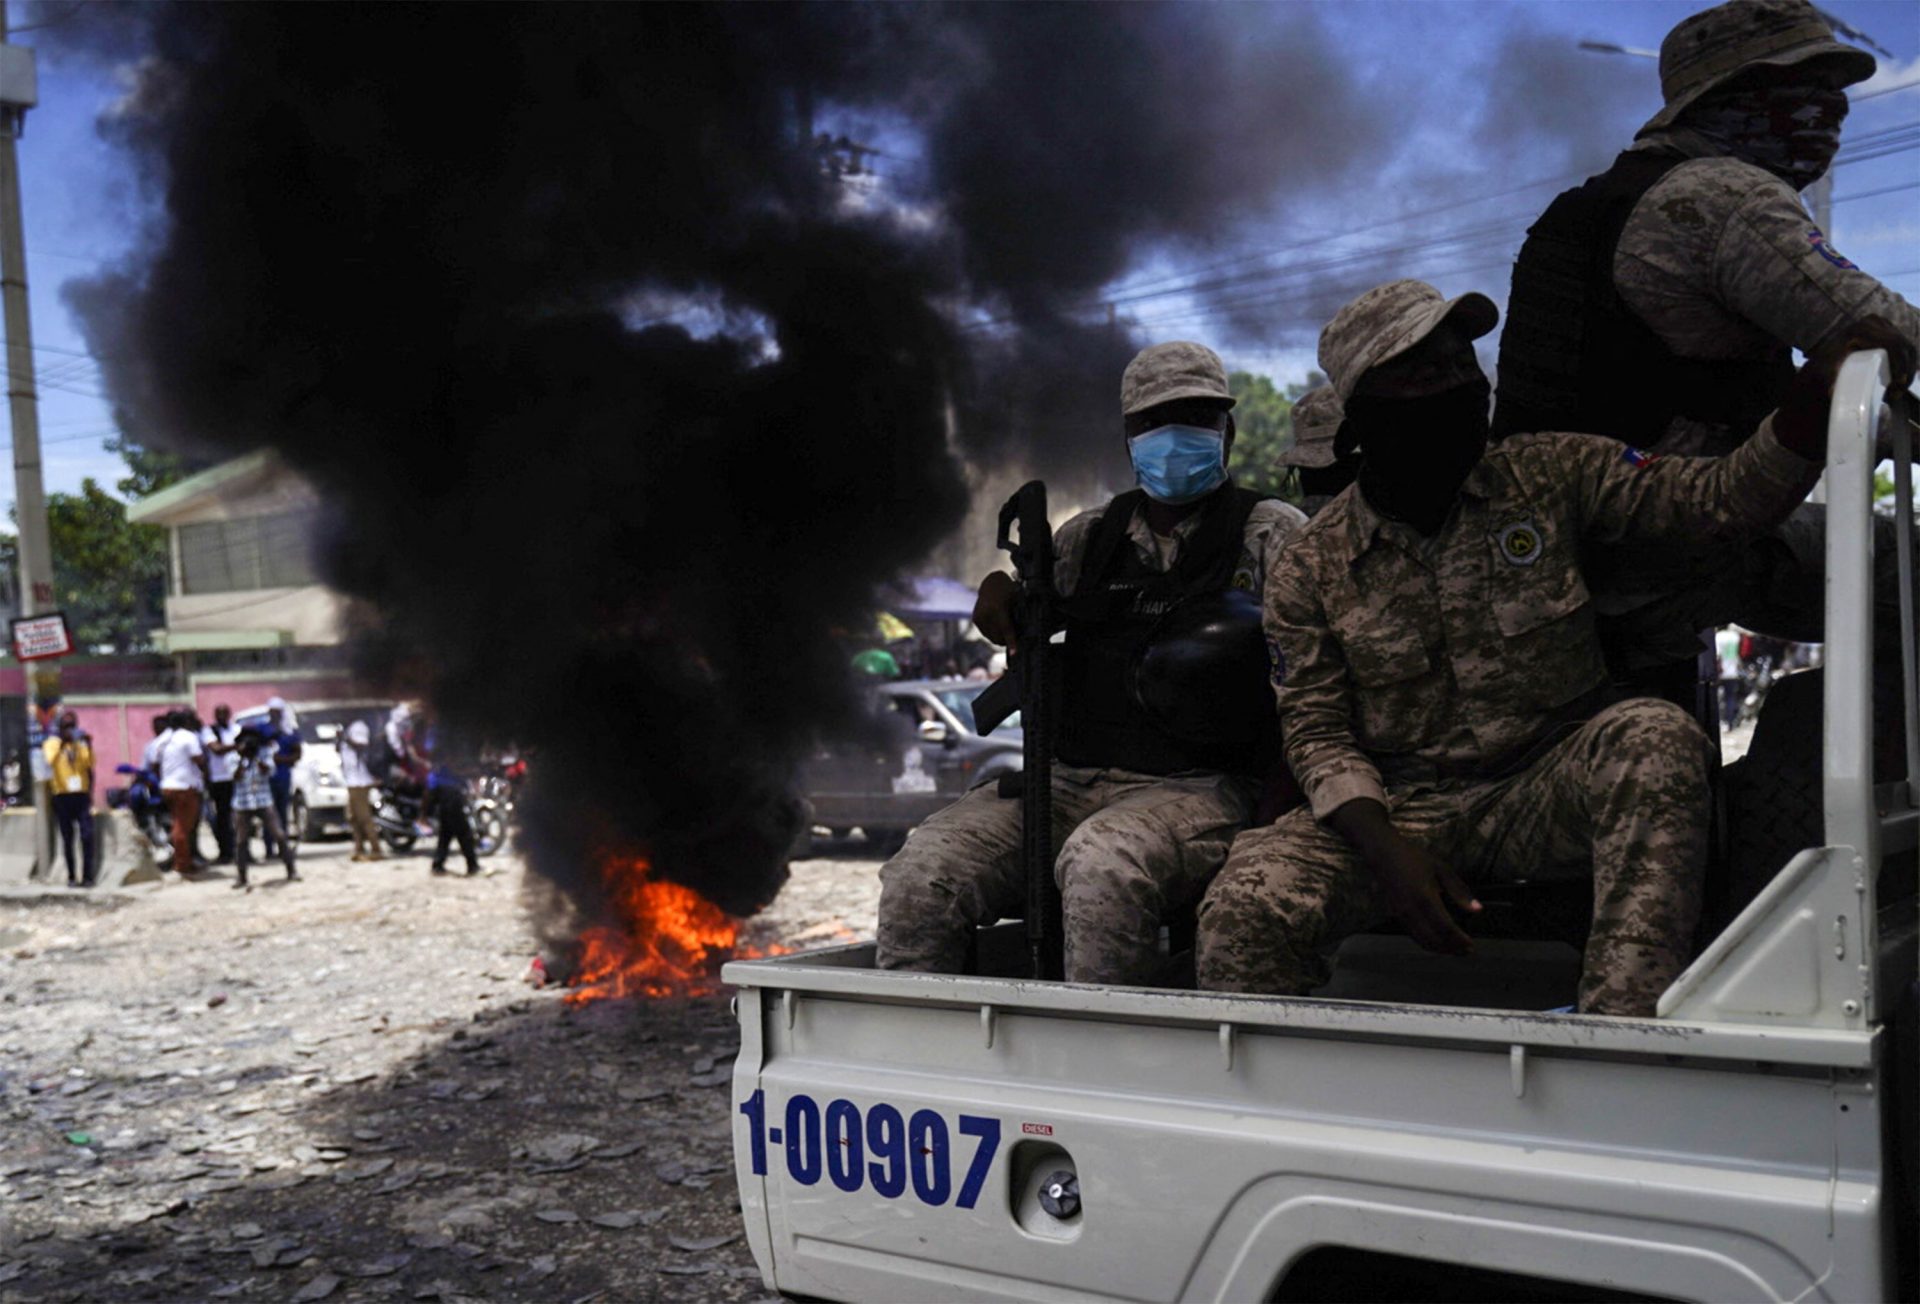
point(344, 1089)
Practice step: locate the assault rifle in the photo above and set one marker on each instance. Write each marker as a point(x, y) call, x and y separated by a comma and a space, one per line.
point(1036, 605)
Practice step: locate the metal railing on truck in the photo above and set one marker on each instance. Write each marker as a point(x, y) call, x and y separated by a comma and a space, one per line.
point(1804, 952)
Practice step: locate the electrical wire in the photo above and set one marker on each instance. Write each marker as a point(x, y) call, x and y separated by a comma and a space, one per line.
point(1884, 190)
point(1885, 90)
point(1361, 230)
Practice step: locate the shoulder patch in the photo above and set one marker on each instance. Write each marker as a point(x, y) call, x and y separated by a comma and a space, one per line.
point(1519, 542)
point(1818, 240)
point(1639, 457)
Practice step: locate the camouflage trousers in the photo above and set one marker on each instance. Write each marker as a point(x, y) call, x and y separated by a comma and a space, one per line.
point(1623, 799)
point(1134, 848)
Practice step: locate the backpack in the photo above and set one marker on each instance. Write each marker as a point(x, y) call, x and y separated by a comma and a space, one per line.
point(379, 757)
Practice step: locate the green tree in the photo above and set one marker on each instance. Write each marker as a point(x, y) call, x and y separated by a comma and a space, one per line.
point(149, 470)
point(109, 576)
point(1262, 416)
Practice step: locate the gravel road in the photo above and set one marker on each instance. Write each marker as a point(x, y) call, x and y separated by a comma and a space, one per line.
point(344, 1088)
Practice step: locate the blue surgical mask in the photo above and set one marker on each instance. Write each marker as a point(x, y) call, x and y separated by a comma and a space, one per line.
point(1179, 464)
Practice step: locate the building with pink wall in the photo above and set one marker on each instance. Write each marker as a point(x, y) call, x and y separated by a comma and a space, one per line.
point(247, 616)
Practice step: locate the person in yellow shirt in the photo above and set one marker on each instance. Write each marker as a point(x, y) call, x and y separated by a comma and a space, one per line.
point(70, 758)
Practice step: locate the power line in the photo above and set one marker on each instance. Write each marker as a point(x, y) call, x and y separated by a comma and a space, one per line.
point(1888, 152)
point(1886, 90)
point(1884, 190)
point(1301, 297)
point(1362, 230)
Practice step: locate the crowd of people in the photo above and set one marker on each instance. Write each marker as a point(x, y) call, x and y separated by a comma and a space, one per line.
point(234, 779)
point(1484, 646)
point(909, 658)
point(238, 782)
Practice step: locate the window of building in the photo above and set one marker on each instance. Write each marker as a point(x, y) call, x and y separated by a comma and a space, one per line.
point(253, 552)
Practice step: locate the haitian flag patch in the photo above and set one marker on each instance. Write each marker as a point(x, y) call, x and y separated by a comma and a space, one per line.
point(1818, 240)
point(1639, 457)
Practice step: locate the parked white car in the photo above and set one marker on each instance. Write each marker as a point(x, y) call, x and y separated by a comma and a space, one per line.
point(319, 802)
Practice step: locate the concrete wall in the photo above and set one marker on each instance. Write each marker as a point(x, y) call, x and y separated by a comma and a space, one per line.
point(121, 727)
point(310, 616)
point(126, 856)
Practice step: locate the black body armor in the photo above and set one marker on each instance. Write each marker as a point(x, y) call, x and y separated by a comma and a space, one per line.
point(1118, 611)
point(1574, 357)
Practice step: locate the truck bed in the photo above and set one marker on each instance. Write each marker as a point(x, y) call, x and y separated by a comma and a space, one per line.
point(893, 1132)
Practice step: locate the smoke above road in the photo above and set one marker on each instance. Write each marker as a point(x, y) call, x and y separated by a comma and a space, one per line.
point(622, 404)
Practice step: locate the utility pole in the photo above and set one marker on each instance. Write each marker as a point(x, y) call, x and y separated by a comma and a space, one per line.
point(1820, 200)
point(19, 91)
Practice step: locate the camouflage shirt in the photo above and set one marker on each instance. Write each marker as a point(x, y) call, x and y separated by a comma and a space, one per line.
point(1405, 660)
point(1721, 261)
point(1270, 525)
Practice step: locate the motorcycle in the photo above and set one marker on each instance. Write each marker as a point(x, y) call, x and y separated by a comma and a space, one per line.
point(500, 781)
point(402, 822)
point(142, 798)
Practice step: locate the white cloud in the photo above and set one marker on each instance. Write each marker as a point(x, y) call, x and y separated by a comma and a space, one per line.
point(1890, 73)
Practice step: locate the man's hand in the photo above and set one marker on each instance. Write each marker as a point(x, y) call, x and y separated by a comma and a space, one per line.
point(1417, 886)
point(1801, 422)
point(993, 609)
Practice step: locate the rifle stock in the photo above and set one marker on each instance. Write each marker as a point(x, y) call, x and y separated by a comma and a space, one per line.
point(1035, 606)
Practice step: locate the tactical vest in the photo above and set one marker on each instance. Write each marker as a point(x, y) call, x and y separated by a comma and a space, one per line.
point(1574, 357)
point(1110, 619)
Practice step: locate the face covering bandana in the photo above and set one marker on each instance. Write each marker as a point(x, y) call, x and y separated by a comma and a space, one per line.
point(1178, 464)
point(1416, 452)
point(1791, 131)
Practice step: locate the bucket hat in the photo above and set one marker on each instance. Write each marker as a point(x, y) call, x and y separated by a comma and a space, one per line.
point(1316, 420)
point(1712, 47)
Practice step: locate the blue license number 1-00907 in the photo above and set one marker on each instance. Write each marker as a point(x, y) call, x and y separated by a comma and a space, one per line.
point(886, 1150)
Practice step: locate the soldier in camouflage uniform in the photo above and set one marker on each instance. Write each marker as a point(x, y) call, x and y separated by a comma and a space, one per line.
point(1322, 460)
point(1660, 303)
point(1142, 819)
point(1443, 697)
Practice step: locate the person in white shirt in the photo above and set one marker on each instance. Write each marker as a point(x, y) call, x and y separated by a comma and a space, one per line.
point(218, 739)
point(356, 746)
point(183, 773)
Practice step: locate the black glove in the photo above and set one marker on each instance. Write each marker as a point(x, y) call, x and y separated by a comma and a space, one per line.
point(1801, 421)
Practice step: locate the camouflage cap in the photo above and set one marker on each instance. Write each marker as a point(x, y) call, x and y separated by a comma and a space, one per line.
point(1161, 373)
point(1388, 320)
point(1715, 45)
point(1316, 420)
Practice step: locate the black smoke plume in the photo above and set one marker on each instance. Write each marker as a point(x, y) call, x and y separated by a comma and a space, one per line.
point(623, 402)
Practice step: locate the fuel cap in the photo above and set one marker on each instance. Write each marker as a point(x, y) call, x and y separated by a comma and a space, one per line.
point(1060, 1193)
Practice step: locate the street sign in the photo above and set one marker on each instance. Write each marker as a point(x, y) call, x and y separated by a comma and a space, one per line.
point(36, 638)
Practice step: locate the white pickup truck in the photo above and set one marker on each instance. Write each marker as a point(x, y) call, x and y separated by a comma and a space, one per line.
point(1421, 1128)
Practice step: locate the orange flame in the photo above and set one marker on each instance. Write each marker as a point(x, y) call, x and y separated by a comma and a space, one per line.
point(669, 940)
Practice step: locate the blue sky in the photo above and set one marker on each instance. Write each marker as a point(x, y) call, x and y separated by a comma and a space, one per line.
point(1492, 100)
